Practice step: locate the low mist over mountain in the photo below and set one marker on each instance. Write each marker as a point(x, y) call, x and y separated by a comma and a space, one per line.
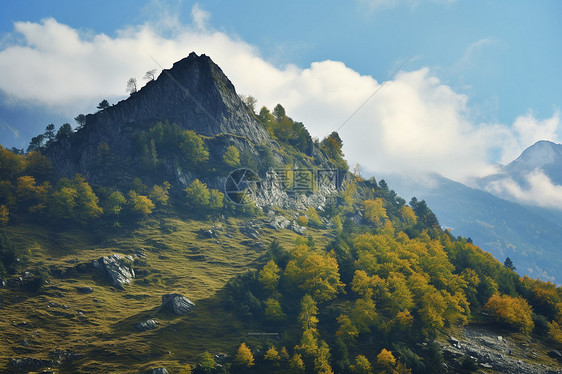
point(515, 213)
point(529, 236)
point(534, 178)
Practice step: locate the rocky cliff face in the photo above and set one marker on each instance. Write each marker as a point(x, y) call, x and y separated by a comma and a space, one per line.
point(195, 94)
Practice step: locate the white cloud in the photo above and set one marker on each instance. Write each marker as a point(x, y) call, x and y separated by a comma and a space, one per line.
point(200, 17)
point(540, 190)
point(472, 52)
point(414, 123)
point(530, 130)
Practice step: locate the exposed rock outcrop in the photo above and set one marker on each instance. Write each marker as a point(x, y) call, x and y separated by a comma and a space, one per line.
point(176, 303)
point(84, 290)
point(493, 352)
point(321, 185)
point(149, 324)
point(113, 267)
point(194, 94)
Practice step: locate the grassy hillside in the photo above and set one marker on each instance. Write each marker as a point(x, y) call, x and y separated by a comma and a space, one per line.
point(371, 284)
point(100, 326)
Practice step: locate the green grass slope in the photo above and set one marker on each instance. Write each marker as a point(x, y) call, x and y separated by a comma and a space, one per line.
point(100, 326)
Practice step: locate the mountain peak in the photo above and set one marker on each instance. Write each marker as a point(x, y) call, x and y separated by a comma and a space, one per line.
point(197, 95)
point(539, 155)
point(193, 94)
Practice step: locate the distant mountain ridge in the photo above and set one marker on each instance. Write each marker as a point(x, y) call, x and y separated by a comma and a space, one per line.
point(543, 156)
point(529, 236)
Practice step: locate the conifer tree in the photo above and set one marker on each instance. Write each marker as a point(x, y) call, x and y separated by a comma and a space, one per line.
point(244, 356)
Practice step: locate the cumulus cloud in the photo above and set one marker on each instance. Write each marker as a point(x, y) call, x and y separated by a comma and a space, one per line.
point(539, 190)
point(414, 123)
point(530, 130)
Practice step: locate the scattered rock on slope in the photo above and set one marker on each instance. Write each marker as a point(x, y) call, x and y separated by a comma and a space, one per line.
point(489, 351)
point(158, 371)
point(176, 303)
point(279, 222)
point(114, 269)
point(149, 324)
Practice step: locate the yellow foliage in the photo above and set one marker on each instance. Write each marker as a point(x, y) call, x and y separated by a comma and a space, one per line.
point(555, 332)
point(160, 194)
point(362, 365)
point(315, 272)
point(244, 356)
point(309, 310)
point(283, 354)
point(4, 215)
point(303, 221)
point(400, 293)
point(387, 229)
point(374, 211)
point(297, 364)
point(364, 314)
point(272, 355)
point(432, 310)
point(321, 361)
point(231, 156)
point(309, 342)
point(140, 203)
point(186, 369)
point(362, 284)
point(26, 188)
point(347, 330)
point(269, 276)
point(313, 217)
point(273, 310)
point(559, 312)
point(198, 195)
point(404, 319)
point(511, 310)
point(385, 358)
point(407, 216)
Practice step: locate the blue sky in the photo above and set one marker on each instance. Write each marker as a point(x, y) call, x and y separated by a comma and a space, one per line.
point(482, 83)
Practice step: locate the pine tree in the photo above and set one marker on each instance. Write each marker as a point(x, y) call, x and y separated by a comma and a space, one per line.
point(509, 264)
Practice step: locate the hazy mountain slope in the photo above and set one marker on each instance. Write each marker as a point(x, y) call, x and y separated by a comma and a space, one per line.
point(544, 155)
point(529, 236)
point(537, 171)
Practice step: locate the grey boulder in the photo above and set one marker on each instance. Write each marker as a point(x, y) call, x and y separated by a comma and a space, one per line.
point(149, 324)
point(177, 304)
point(115, 270)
